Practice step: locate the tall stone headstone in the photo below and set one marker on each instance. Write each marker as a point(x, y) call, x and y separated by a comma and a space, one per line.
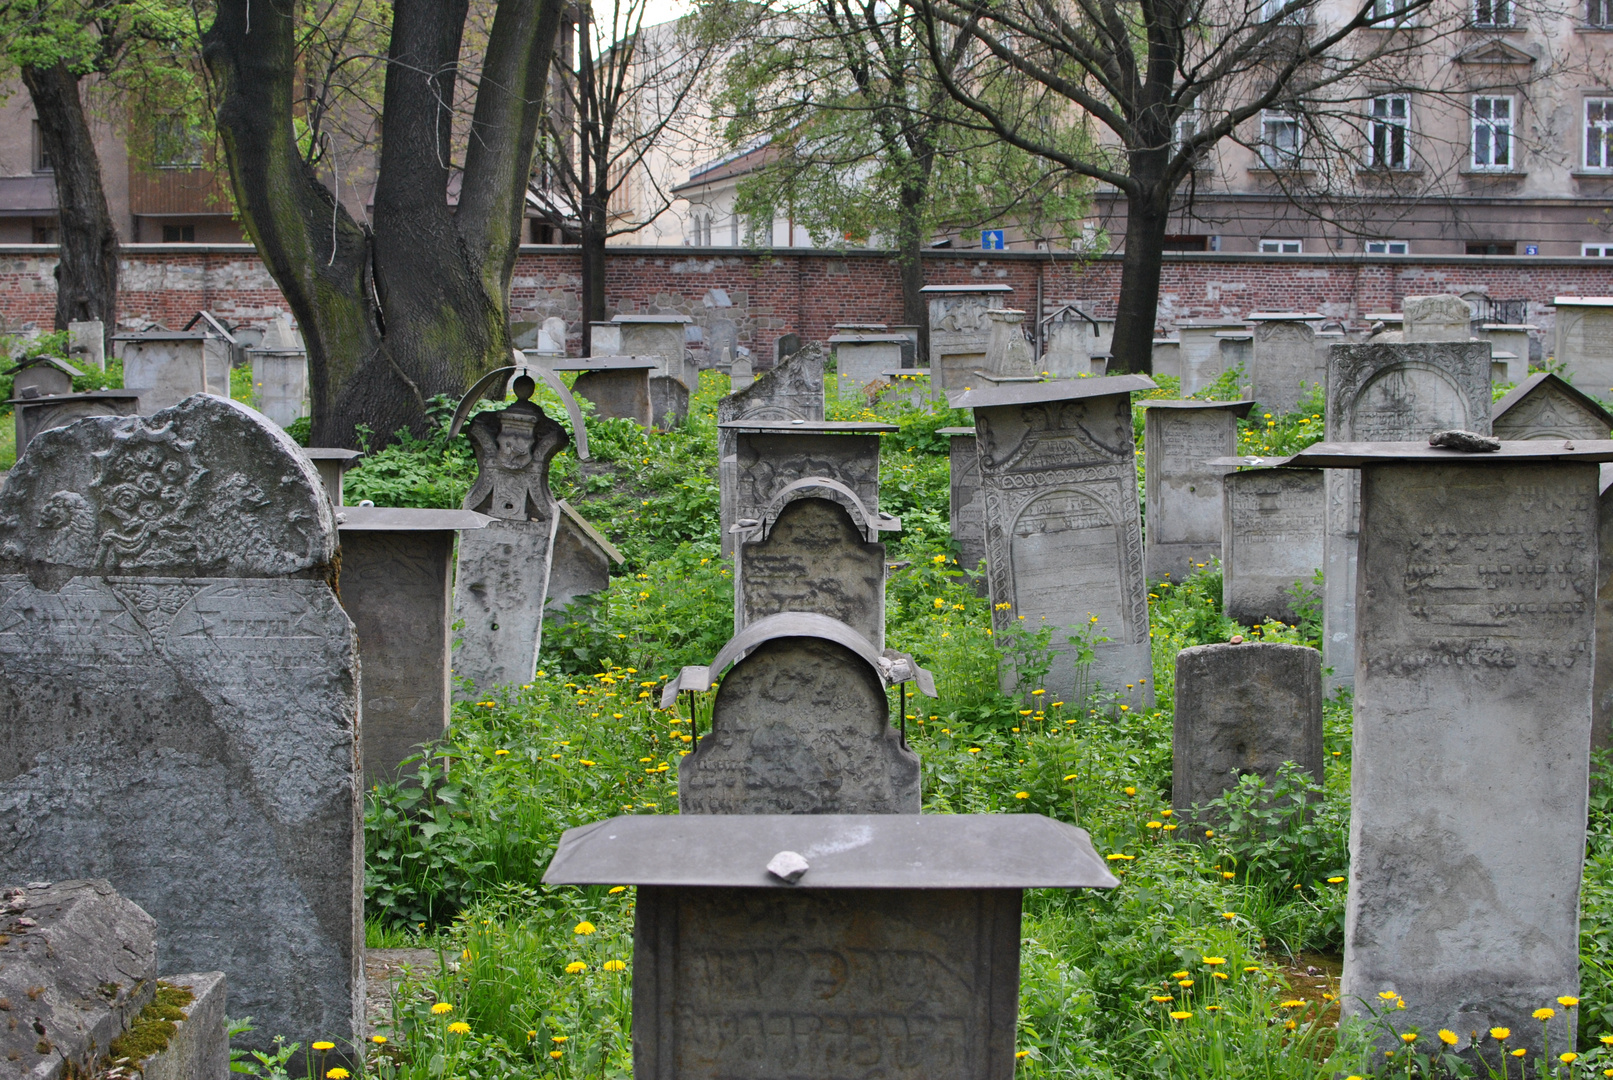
point(397, 587)
point(280, 383)
point(1545, 406)
point(86, 343)
point(332, 464)
point(1585, 340)
point(504, 569)
point(966, 511)
point(784, 347)
point(1201, 357)
point(960, 330)
point(1243, 710)
point(1386, 393)
point(859, 358)
point(1063, 529)
point(1007, 350)
point(582, 562)
point(792, 390)
point(1183, 490)
point(165, 368)
point(1167, 358)
point(1070, 343)
point(169, 641)
point(771, 455)
point(1472, 730)
point(657, 335)
point(1602, 691)
point(1435, 318)
point(1272, 530)
point(1286, 361)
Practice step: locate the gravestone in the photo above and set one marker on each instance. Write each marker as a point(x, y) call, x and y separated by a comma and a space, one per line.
point(169, 641)
point(1435, 318)
point(1272, 529)
point(1243, 710)
point(1069, 349)
point(1602, 691)
point(1386, 392)
point(1286, 360)
point(619, 386)
point(552, 337)
point(86, 344)
point(1237, 352)
point(582, 562)
point(793, 390)
point(910, 346)
point(1200, 351)
point(724, 337)
point(1472, 730)
point(1167, 360)
point(1007, 351)
point(1514, 340)
point(605, 339)
point(1064, 541)
point(859, 358)
point(656, 335)
point(816, 549)
point(960, 331)
point(504, 568)
point(397, 587)
point(41, 376)
point(910, 386)
point(1585, 341)
point(332, 463)
point(1545, 406)
point(740, 372)
point(1183, 490)
point(784, 347)
point(33, 415)
point(280, 381)
point(165, 368)
point(966, 511)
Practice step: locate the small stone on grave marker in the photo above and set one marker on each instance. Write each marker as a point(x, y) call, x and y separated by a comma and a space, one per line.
point(788, 866)
point(1469, 442)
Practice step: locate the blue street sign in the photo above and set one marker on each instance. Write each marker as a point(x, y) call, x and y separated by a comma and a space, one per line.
point(991, 240)
point(1531, 249)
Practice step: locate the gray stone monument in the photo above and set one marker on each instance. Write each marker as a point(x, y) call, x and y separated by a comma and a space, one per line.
point(1183, 490)
point(784, 347)
point(859, 358)
point(967, 511)
point(332, 463)
point(33, 415)
point(1545, 406)
point(1286, 361)
point(165, 368)
point(1243, 710)
point(1272, 538)
point(582, 562)
point(1007, 350)
point(552, 337)
point(793, 390)
point(1602, 695)
point(1514, 340)
point(169, 641)
point(1167, 356)
point(1070, 337)
point(280, 380)
point(816, 549)
point(1585, 340)
point(960, 331)
point(86, 343)
point(660, 336)
point(1435, 318)
point(1201, 357)
point(740, 372)
point(397, 587)
point(42, 376)
point(910, 386)
point(504, 568)
point(619, 386)
point(1472, 730)
point(1064, 539)
point(1386, 393)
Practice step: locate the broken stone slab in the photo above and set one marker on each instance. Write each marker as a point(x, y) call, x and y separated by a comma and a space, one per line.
point(199, 1048)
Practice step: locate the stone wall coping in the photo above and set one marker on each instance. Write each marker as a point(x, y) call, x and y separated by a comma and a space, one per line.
point(1240, 407)
point(1347, 455)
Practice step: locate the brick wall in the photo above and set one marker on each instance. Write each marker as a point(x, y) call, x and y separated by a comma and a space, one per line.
point(807, 292)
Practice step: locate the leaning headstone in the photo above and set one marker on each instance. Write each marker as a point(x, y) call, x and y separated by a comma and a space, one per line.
point(1386, 393)
point(1064, 538)
point(967, 511)
point(1435, 318)
point(1545, 406)
point(1183, 490)
point(1286, 362)
point(792, 390)
point(1585, 340)
point(1200, 347)
point(86, 343)
point(1472, 731)
point(280, 382)
point(504, 569)
point(618, 386)
point(170, 640)
point(165, 368)
point(1007, 350)
point(1243, 710)
point(1272, 529)
point(582, 562)
point(816, 549)
point(960, 330)
point(397, 587)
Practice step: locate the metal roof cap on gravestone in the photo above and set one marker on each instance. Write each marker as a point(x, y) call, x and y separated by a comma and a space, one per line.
point(1355, 455)
point(1534, 410)
point(1052, 390)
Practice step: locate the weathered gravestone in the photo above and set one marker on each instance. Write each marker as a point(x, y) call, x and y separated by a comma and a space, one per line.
point(1545, 406)
point(859, 358)
point(280, 383)
point(960, 330)
point(1271, 539)
point(1183, 490)
point(1602, 693)
point(771, 455)
point(1585, 340)
point(784, 347)
point(793, 390)
point(332, 463)
point(169, 641)
point(1200, 346)
point(740, 371)
point(397, 587)
point(1286, 362)
point(33, 415)
point(1243, 710)
point(1064, 539)
point(504, 568)
point(41, 376)
point(1007, 350)
point(165, 368)
point(1071, 337)
point(967, 511)
point(1472, 730)
point(817, 549)
point(86, 343)
point(1435, 318)
point(582, 562)
point(618, 386)
point(552, 337)
point(661, 336)
point(1167, 357)
point(1386, 393)
point(1513, 340)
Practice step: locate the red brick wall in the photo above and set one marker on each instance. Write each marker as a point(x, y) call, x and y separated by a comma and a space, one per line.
point(807, 292)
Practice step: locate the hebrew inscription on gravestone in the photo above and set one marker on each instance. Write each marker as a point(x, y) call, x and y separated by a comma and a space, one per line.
point(818, 556)
point(1273, 541)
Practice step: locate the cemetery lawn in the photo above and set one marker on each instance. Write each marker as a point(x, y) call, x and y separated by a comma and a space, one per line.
point(1216, 955)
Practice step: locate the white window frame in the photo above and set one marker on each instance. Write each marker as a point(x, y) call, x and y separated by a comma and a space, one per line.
point(1490, 126)
point(1384, 17)
point(1271, 9)
point(1387, 247)
point(1597, 251)
point(1186, 126)
point(1598, 144)
point(1282, 247)
point(1271, 155)
point(1386, 122)
point(1496, 14)
point(1599, 13)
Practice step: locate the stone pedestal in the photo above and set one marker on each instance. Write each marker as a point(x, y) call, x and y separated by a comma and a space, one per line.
point(33, 415)
point(1286, 361)
point(619, 386)
point(793, 390)
point(960, 330)
point(397, 587)
point(1272, 538)
point(165, 368)
point(280, 379)
point(332, 463)
point(860, 358)
point(1180, 439)
point(1544, 406)
point(1478, 579)
point(1063, 530)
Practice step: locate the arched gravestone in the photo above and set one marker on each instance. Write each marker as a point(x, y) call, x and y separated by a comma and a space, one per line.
point(179, 700)
point(1545, 406)
point(1386, 392)
point(792, 390)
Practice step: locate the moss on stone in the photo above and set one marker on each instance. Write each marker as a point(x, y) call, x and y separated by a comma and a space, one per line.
point(156, 1024)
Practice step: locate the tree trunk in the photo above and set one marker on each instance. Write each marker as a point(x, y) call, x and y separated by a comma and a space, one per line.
point(87, 266)
point(419, 307)
point(910, 263)
point(1147, 213)
point(594, 224)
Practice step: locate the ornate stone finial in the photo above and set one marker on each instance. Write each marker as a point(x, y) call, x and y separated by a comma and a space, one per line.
point(514, 447)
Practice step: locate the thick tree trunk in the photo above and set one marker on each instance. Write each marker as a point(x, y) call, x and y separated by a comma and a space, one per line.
point(593, 221)
point(419, 307)
point(87, 267)
point(910, 264)
point(1147, 213)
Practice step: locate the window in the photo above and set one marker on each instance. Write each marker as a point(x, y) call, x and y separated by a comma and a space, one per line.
point(1599, 133)
point(1384, 13)
point(41, 159)
point(1599, 12)
point(1187, 126)
point(1282, 247)
point(1492, 133)
point(1598, 251)
point(1388, 247)
point(179, 234)
point(1270, 10)
point(1279, 140)
point(1388, 127)
point(1492, 247)
point(1494, 13)
point(175, 144)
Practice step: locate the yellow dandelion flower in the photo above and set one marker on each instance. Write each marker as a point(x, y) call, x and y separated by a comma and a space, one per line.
point(1228, 874)
point(323, 1046)
point(1568, 1058)
point(1229, 915)
point(1022, 794)
point(1387, 995)
point(1130, 791)
point(1568, 1002)
point(585, 927)
point(615, 965)
point(1184, 982)
point(1181, 1015)
point(442, 1007)
point(576, 967)
point(555, 1054)
point(1447, 1037)
point(338, 1073)
point(378, 1040)
point(1214, 961)
point(1545, 1014)
point(1162, 998)
point(1409, 1037)
point(459, 1027)
point(1296, 1003)
point(1335, 880)
point(1519, 1052)
point(617, 889)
